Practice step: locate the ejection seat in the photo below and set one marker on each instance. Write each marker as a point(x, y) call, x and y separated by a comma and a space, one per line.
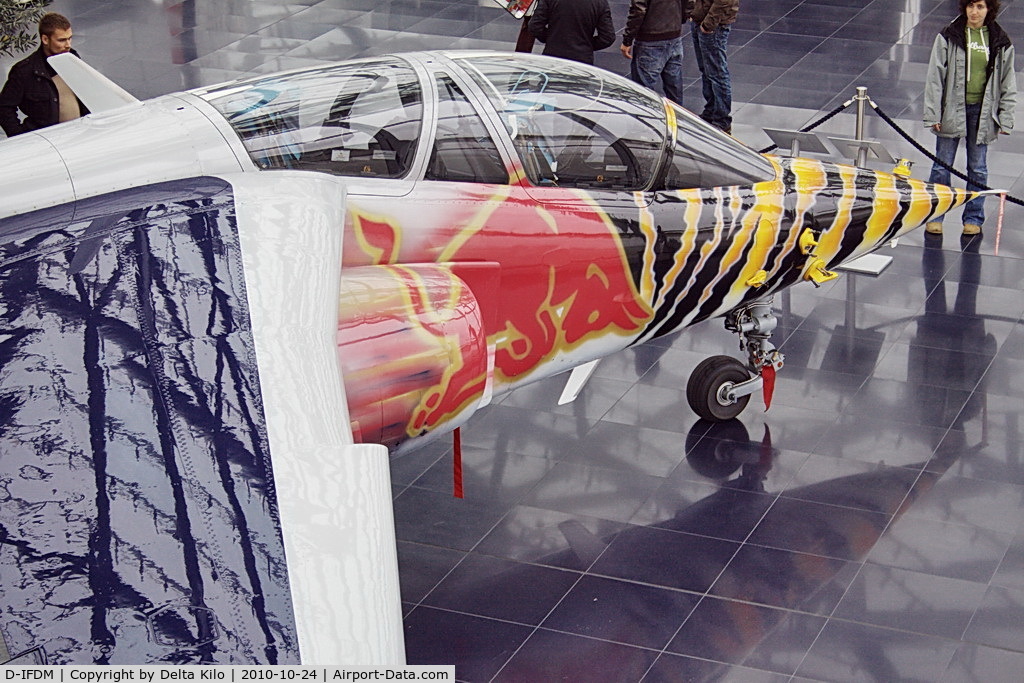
point(356, 138)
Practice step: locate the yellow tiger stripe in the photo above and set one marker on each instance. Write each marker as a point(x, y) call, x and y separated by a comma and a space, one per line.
point(694, 202)
point(670, 122)
point(885, 208)
point(649, 231)
point(945, 196)
point(832, 237)
point(766, 224)
point(732, 256)
point(811, 179)
point(707, 251)
point(961, 196)
point(920, 209)
point(735, 203)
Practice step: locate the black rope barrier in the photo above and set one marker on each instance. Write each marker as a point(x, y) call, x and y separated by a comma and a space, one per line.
point(906, 136)
point(811, 126)
point(935, 159)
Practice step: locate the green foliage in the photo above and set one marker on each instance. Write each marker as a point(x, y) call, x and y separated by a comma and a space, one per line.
point(18, 22)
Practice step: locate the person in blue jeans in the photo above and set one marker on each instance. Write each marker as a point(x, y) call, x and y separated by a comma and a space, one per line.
point(712, 20)
point(970, 92)
point(652, 41)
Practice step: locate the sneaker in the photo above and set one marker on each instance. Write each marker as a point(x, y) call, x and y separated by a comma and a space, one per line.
point(972, 229)
point(934, 227)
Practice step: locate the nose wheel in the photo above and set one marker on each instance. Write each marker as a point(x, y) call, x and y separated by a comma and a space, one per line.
point(710, 390)
point(720, 387)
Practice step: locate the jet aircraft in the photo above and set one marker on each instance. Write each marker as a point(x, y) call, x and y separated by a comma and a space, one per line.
point(222, 308)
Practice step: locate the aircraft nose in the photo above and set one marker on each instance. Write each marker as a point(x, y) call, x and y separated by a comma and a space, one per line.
point(871, 208)
point(893, 205)
point(921, 201)
point(914, 202)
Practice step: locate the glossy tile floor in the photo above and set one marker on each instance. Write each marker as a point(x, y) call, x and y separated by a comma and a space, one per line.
point(869, 527)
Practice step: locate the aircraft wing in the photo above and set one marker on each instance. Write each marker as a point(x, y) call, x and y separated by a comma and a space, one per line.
point(177, 471)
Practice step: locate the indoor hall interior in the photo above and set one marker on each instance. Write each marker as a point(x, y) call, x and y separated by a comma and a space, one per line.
point(868, 527)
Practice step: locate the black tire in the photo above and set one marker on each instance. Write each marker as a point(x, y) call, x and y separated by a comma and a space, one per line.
point(705, 382)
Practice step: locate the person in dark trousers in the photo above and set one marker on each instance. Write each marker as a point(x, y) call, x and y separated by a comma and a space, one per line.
point(573, 29)
point(524, 42)
point(712, 21)
point(970, 92)
point(652, 41)
point(35, 88)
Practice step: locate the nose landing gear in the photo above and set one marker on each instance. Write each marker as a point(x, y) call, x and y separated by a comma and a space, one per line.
point(719, 387)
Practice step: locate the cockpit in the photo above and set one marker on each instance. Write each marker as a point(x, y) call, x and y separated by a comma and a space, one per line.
point(351, 120)
point(478, 117)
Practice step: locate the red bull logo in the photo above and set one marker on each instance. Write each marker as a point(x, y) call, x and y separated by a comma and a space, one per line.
point(564, 278)
point(563, 281)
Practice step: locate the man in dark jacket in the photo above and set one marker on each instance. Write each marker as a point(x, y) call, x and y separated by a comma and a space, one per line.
point(652, 41)
point(573, 29)
point(712, 21)
point(35, 88)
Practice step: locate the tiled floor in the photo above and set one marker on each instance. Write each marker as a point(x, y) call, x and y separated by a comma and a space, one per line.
point(868, 527)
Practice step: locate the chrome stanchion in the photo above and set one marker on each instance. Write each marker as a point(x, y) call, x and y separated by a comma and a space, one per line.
point(861, 98)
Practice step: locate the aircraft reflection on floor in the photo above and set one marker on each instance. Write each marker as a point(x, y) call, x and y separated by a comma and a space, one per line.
point(751, 590)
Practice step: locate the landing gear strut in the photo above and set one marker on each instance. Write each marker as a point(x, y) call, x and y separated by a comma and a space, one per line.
point(720, 387)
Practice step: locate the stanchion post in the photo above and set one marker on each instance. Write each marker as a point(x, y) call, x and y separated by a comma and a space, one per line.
point(862, 160)
point(861, 98)
point(999, 222)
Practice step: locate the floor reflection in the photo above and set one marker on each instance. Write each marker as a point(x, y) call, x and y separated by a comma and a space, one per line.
point(951, 349)
point(678, 586)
